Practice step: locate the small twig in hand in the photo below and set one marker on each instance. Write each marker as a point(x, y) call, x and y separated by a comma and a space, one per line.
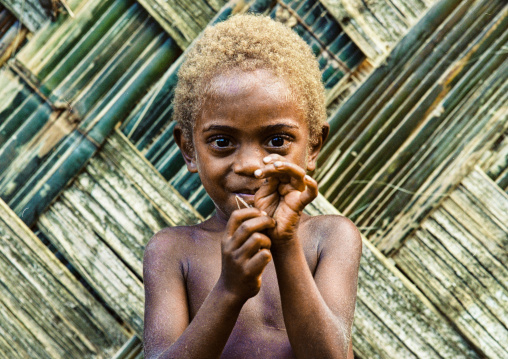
point(240, 200)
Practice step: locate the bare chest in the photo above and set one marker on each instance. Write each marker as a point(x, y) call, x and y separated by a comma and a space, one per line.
point(259, 331)
point(264, 309)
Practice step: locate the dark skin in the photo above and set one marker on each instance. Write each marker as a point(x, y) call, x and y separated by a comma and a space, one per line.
point(260, 282)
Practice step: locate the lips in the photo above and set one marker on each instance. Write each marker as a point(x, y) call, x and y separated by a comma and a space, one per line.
point(246, 191)
point(247, 194)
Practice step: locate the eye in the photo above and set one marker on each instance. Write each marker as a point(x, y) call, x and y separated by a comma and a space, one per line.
point(277, 141)
point(222, 142)
point(280, 141)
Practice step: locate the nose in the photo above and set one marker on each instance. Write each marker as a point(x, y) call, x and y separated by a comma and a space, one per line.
point(248, 159)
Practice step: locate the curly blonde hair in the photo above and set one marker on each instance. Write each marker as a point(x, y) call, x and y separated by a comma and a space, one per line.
point(247, 43)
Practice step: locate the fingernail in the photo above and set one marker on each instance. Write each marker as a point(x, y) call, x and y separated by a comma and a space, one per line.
point(264, 213)
point(277, 164)
point(308, 178)
point(267, 159)
point(258, 173)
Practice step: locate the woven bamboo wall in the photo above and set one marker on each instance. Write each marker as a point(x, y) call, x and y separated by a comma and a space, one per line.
point(417, 157)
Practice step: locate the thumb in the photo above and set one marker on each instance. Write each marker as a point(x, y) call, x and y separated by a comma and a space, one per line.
point(267, 198)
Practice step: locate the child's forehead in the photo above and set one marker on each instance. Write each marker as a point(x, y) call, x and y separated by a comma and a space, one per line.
point(237, 81)
point(250, 100)
point(249, 90)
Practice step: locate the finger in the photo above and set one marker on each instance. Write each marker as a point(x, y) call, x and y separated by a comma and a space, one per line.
point(285, 188)
point(272, 158)
point(256, 242)
point(239, 216)
point(279, 169)
point(311, 191)
point(267, 188)
point(258, 262)
point(248, 228)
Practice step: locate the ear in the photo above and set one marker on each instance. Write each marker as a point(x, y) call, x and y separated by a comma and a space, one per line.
point(187, 149)
point(316, 147)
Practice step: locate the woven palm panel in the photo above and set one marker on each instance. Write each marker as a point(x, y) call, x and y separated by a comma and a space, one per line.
point(45, 311)
point(458, 259)
point(66, 90)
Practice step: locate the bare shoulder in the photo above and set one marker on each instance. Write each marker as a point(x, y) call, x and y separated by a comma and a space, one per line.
point(167, 239)
point(167, 247)
point(335, 233)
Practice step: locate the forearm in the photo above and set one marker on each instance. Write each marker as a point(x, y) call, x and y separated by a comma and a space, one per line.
point(207, 334)
point(313, 329)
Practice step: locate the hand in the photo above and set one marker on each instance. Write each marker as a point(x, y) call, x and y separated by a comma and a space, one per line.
point(245, 252)
point(286, 192)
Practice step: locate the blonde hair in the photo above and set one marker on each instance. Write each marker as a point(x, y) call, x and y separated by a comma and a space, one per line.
point(247, 43)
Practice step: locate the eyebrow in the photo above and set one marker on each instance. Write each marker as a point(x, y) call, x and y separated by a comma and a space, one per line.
point(278, 126)
point(218, 128)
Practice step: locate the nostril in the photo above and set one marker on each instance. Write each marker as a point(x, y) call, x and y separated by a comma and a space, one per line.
point(247, 161)
point(246, 167)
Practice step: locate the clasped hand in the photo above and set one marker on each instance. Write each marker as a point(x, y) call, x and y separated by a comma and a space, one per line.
point(283, 196)
point(252, 232)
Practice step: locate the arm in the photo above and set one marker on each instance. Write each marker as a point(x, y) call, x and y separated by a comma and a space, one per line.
point(323, 328)
point(168, 333)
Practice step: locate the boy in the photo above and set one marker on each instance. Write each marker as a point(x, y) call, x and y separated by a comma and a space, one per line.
point(260, 279)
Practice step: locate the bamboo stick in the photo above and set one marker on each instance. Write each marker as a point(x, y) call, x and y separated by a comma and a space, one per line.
point(365, 100)
point(30, 12)
point(120, 86)
point(131, 347)
point(96, 227)
point(182, 20)
point(78, 325)
point(383, 101)
point(403, 131)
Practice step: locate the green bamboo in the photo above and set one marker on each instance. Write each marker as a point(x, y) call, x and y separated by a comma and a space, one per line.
point(74, 152)
point(451, 246)
point(185, 19)
point(396, 125)
point(30, 12)
point(12, 34)
point(393, 234)
point(37, 287)
point(364, 101)
point(440, 150)
point(34, 179)
point(388, 102)
point(125, 62)
point(98, 46)
point(17, 140)
point(487, 125)
point(480, 71)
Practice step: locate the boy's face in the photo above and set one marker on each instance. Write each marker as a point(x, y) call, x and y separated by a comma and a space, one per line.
point(246, 117)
